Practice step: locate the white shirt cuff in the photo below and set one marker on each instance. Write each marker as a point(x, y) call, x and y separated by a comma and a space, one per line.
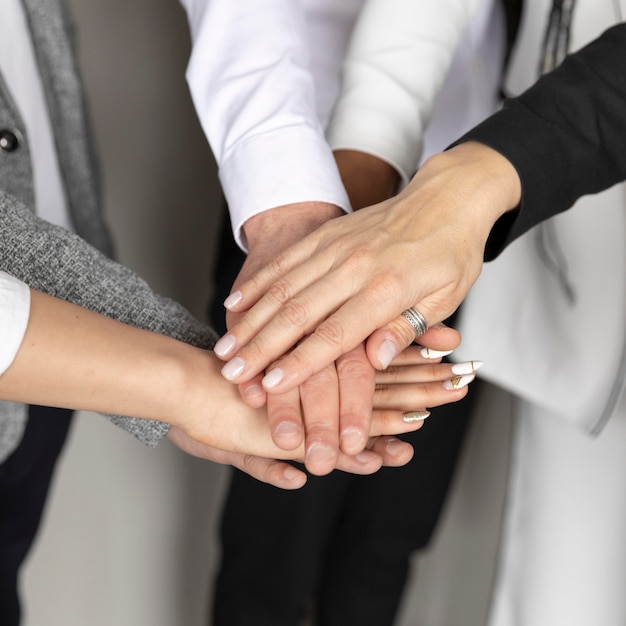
point(276, 168)
point(14, 312)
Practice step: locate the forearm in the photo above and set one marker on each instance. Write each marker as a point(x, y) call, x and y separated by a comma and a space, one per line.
point(72, 357)
point(57, 262)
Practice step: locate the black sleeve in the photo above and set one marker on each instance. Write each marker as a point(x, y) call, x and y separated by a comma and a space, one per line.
point(566, 135)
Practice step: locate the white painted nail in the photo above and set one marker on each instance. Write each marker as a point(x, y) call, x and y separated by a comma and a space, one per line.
point(224, 345)
point(233, 300)
point(387, 353)
point(415, 416)
point(458, 382)
point(233, 368)
point(428, 353)
point(273, 378)
point(468, 367)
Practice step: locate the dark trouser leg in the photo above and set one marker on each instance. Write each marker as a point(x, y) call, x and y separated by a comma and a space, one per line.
point(386, 518)
point(24, 480)
point(273, 549)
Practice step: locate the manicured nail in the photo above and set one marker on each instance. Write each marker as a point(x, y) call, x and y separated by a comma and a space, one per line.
point(224, 345)
point(273, 378)
point(233, 368)
point(233, 300)
point(352, 439)
point(458, 382)
point(387, 353)
point(428, 353)
point(415, 416)
point(469, 367)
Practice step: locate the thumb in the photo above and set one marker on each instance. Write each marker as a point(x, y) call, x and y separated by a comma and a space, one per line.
point(384, 344)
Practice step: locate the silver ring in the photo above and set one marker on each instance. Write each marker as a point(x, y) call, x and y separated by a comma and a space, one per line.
point(416, 319)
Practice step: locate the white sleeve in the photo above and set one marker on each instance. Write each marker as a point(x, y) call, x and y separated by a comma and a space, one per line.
point(14, 312)
point(254, 95)
point(398, 59)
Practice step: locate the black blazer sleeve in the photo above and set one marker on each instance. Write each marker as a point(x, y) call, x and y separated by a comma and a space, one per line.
point(566, 135)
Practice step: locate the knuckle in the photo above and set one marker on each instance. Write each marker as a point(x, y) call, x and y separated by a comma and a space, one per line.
point(391, 375)
point(280, 292)
point(322, 379)
point(331, 332)
point(403, 332)
point(279, 265)
point(354, 369)
point(383, 394)
point(294, 313)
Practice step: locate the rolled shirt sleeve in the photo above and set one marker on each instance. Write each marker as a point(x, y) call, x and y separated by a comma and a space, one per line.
point(14, 312)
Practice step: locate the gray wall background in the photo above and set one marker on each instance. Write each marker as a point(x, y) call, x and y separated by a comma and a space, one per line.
point(129, 536)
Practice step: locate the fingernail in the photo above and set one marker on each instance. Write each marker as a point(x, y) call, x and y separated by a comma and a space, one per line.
point(287, 429)
point(352, 439)
point(233, 300)
point(366, 457)
point(319, 453)
point(428, 353)
point(458, 382)
point(415, 416)
point(396, 447)
point(387, 353)
point(254, 391)
point(468, 367)
point(273, 378)
point(233, 368)
point(224, 345)
point(291, 473)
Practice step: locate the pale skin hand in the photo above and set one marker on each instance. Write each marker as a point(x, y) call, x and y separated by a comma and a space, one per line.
point(352, 278)
point(334, 405)
point(82, 360)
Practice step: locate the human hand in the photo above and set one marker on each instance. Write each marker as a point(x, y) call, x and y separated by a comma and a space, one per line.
point(334, 406)
point(357, 273)
point(343, 396)
point(267, 234)
point(213, 423)
point(380, 451)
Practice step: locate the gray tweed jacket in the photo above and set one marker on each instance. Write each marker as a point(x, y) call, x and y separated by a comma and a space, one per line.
point(74, 267)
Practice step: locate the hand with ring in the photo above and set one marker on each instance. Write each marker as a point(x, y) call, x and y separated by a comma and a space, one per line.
point(350, 280)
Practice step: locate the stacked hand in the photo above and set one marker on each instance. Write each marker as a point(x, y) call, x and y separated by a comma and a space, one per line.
point(324, 312)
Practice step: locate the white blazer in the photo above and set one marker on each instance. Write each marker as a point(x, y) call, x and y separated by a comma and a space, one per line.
point(568, 356)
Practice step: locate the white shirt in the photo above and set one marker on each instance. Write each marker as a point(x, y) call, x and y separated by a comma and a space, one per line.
point(14, 308)
point(264, 76)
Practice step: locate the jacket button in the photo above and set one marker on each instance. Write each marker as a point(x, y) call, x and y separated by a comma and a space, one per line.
point(8, 140)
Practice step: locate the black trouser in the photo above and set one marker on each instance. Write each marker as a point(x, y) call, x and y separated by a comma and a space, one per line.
point(24, 481)
point(342, 544)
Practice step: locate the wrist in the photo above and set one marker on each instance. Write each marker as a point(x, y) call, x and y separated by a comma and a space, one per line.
point(483, 176)
point(368, 179)
point(287, 224)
